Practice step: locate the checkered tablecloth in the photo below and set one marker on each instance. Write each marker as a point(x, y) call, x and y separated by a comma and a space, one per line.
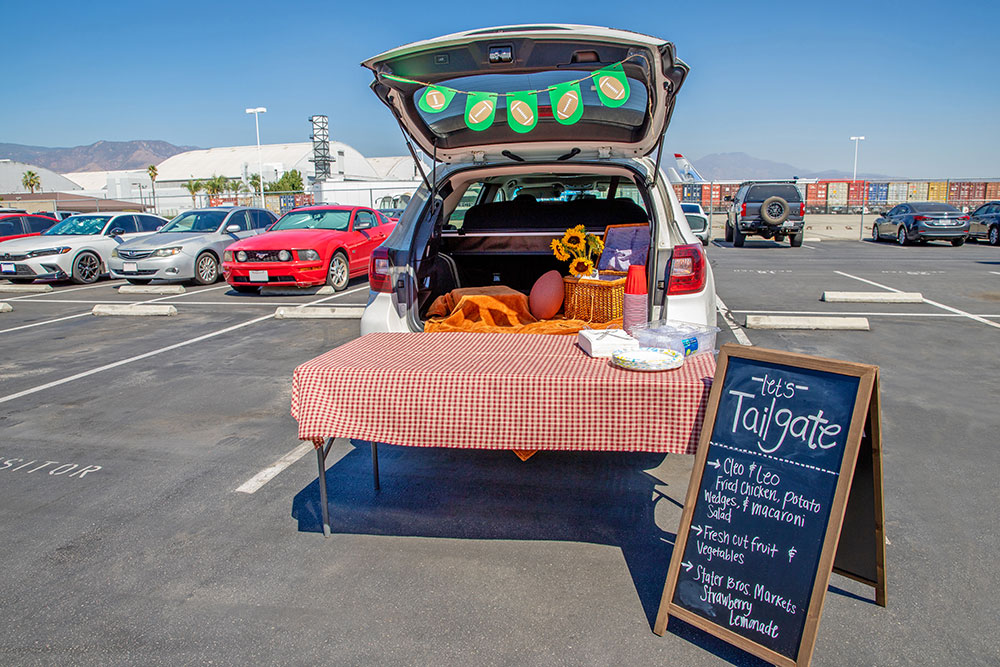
point(496, 391)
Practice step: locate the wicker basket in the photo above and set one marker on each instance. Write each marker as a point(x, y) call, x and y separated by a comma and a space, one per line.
point(593, 300)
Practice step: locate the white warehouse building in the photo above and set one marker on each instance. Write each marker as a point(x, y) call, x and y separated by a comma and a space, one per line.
point(354, 179)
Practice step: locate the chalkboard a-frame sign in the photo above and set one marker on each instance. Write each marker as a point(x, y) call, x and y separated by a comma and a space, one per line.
point(786, 487)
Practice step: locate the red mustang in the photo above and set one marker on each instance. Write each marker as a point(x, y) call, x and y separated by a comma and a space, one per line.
point(310, 245)
point(16, 225)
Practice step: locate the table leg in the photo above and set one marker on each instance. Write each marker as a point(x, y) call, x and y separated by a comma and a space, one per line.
point(375, 464)
point(321, 459)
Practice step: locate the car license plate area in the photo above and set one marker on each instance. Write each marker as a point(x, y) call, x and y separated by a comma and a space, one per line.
point(7, 267)
point(788, 223)
point(131, 267)
point(258, 276)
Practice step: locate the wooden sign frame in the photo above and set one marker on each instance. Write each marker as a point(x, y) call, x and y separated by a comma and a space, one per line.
point(866, 505)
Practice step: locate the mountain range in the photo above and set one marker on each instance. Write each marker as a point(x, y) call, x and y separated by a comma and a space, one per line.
point(740, 166)
point(99, 156)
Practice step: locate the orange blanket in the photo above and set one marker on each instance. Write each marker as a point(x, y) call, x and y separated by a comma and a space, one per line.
point(497, 309)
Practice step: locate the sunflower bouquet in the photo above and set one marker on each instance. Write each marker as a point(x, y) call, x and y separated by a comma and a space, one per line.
point(580, 249)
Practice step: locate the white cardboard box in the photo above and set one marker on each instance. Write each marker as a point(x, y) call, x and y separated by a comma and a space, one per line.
point(605, 342)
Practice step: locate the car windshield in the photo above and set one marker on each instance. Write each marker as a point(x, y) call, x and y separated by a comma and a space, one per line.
point(335, 220)
point(78, 225)
point(934, 207)
point(195, 221)
point(759, 193)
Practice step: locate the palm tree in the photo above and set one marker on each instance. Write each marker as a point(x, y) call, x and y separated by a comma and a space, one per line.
point(215, 185)
point(31, 181)
point(153, 173)
point(194, 187)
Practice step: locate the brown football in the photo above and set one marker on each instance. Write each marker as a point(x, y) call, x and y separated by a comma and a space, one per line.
point(480, 111)
point(611, 87)
point(435, 99)
point(568, 104)
point(522, 112)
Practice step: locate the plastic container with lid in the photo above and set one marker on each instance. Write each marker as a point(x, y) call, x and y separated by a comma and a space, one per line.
point(684, 337)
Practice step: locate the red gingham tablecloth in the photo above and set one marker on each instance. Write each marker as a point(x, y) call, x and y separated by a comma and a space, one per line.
point(496, 391)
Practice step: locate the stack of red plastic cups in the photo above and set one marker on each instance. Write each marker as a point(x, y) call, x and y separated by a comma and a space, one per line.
point(635, 306)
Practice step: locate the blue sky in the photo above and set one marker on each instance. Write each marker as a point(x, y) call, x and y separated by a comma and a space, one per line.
point(781, 81)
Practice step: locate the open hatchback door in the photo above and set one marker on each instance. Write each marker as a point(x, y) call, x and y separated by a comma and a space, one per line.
point(532, 92)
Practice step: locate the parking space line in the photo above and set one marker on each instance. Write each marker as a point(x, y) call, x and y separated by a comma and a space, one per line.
point(727, 315)
point(327, 298)
point(856, 314)
point(62, 291)
point(996, 273)
point(975, 318)
point(38, 324)
point(270, 472)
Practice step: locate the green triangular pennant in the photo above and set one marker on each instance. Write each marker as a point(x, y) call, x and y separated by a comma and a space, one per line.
point(436, 99)
point(522, 111)
point(480, 108)
point(612, 85)
point(567, 102)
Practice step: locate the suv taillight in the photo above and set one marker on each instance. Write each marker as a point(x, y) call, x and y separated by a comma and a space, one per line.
point(379, 279)
point(802, 209)
point(743, 210)
point(687, 270)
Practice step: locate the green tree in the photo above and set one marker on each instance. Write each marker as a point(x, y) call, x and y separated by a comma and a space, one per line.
point(255, 182)
point(215, 186)
point(290, 181)
point(194, 187)
point(31, 181)
point(153, 173)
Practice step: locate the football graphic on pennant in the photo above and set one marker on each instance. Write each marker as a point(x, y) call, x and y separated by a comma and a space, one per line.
point(568, 104)
point(480, 111)
point(435, 99)
point(611, 88)
point(522, 112)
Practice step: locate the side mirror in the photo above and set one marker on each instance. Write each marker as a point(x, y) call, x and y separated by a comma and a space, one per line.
point(232, 229)
point(117, 231)
point(159, 227)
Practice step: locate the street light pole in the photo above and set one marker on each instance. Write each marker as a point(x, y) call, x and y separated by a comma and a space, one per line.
point(256, 111)
point(854, 181)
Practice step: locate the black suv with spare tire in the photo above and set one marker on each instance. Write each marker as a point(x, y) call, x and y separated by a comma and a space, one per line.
point(771, 209)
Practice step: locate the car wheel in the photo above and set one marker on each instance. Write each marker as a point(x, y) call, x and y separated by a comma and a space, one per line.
point(338, 272)
point(957, 242)
point(901, 236)
point(138, 281)
point(704, 241)
point(875, 235)
point(738, 237)
point(729, 233)
point(86, 268)
point(206, 269)
point(246, 289)
point(994, 235)
point(795, 240)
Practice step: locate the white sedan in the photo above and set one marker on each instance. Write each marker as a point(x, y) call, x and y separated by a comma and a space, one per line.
point(78, 248)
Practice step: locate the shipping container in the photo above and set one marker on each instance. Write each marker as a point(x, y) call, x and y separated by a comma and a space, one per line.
point(993, 190)
point(953, 192)
point(937, 191)
point(856, 194)
point(692, 193)
point(836, 196)
point(816, 194)
point(679, 191)
point(916, 191)
point(710, 196)
point(878, 193)
point(897, 193)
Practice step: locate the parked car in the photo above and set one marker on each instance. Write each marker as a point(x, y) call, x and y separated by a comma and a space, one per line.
point(60, 215)
point(691, 207)
point(190, 246)
point(584, 144)
point(984, 223)
point(698, 222)
point(15, 225)
point(311, 245)
point(922, 221)
point(392, 214)
point(770, 209)
point(78, 248)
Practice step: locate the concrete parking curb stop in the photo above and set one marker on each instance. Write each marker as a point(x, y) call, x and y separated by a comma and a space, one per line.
point(872, 297)
point(5, 307)
point(318, 312)
point(151, 289)
point(812, 323)
point(296, 291)
point(134, 310)
point(26, 289)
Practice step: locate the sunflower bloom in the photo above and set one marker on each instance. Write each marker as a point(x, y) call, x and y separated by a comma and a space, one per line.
point(559, 251)
point(575, 239)
point(581, 266)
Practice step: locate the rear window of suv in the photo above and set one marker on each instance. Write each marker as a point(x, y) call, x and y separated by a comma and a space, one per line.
point(759, 193)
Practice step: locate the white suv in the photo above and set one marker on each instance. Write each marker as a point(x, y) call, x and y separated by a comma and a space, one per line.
point(574, 152)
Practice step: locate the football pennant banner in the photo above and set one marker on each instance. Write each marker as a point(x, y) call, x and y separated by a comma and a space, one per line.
point(436, 99)
point(522, 111)
point(480, 109)
point(612, 85)
point(567, 102)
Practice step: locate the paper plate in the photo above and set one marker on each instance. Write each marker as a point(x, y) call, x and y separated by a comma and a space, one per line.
point(647, 359)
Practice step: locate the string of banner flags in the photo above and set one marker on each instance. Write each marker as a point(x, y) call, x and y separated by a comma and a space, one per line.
point(522, 106)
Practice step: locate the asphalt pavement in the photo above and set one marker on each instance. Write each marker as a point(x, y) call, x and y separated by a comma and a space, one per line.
point(158, 508)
